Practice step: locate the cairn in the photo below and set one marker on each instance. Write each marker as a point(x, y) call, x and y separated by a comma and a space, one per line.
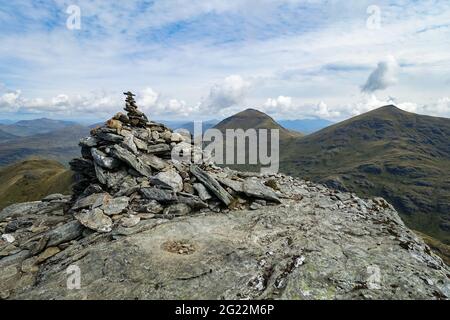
point(126, 173)
point(136, 117)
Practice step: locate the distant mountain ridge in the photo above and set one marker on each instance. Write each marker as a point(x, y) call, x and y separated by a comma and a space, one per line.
point(6, 136)
point(26, 128)
point(60, 145)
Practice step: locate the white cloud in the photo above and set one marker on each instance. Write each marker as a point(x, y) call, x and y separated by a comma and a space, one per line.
point(441, 108)
point(384, 76)
point(324, 112)
point(285, 108)
point(101, 104)
point(279, 104)
point(60, 100)
point(61, 104)
point(9, 101)
point(228, 93)
point(147, 99)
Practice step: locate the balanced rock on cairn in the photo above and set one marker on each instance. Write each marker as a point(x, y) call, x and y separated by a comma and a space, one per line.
point(136, 117)
point(126, 173)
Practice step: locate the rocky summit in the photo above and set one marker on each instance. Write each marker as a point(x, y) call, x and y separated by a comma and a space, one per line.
point(143, 224)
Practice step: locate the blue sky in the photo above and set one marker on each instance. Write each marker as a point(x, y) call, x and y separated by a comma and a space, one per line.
point(208, 59)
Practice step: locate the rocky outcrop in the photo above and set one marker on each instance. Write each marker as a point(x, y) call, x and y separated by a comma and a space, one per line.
point(142, 225)
point(131, 159)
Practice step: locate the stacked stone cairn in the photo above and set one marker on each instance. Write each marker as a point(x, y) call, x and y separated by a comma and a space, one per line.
point(127, 174)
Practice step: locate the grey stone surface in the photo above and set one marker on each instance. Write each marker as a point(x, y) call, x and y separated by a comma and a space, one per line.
point(154, 161)
point(160, 195)
point(129, 158)
point(158, 148)
point(290, 251)
point(88, 142)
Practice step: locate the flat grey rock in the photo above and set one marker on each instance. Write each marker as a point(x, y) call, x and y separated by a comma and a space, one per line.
point(92, 201)
point(129, 158)
point(154, 161)
point(94, 219)
point(88, 142)
point(160, 195)
point(254, 188)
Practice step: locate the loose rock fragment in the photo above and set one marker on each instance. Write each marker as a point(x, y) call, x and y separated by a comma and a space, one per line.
point(179, 209)
point(169, 178)
point(48, 253)
point(211, 184)
point(104, 161)
point(8, 238)
point(160, 195)
point(91, 201)
point(115, 205)
point(158, 148)
point(67, 232)
point(94, 219)
point(202, 191)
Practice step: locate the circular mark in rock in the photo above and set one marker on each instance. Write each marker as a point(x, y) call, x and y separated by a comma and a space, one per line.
point(179, 247)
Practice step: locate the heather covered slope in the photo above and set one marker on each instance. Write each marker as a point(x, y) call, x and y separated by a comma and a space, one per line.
point(32, 180)
point(401, 156)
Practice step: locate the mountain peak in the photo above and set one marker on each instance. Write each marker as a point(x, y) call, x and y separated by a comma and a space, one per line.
point(252, 112)
point(254, 119)
point(388, 109)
